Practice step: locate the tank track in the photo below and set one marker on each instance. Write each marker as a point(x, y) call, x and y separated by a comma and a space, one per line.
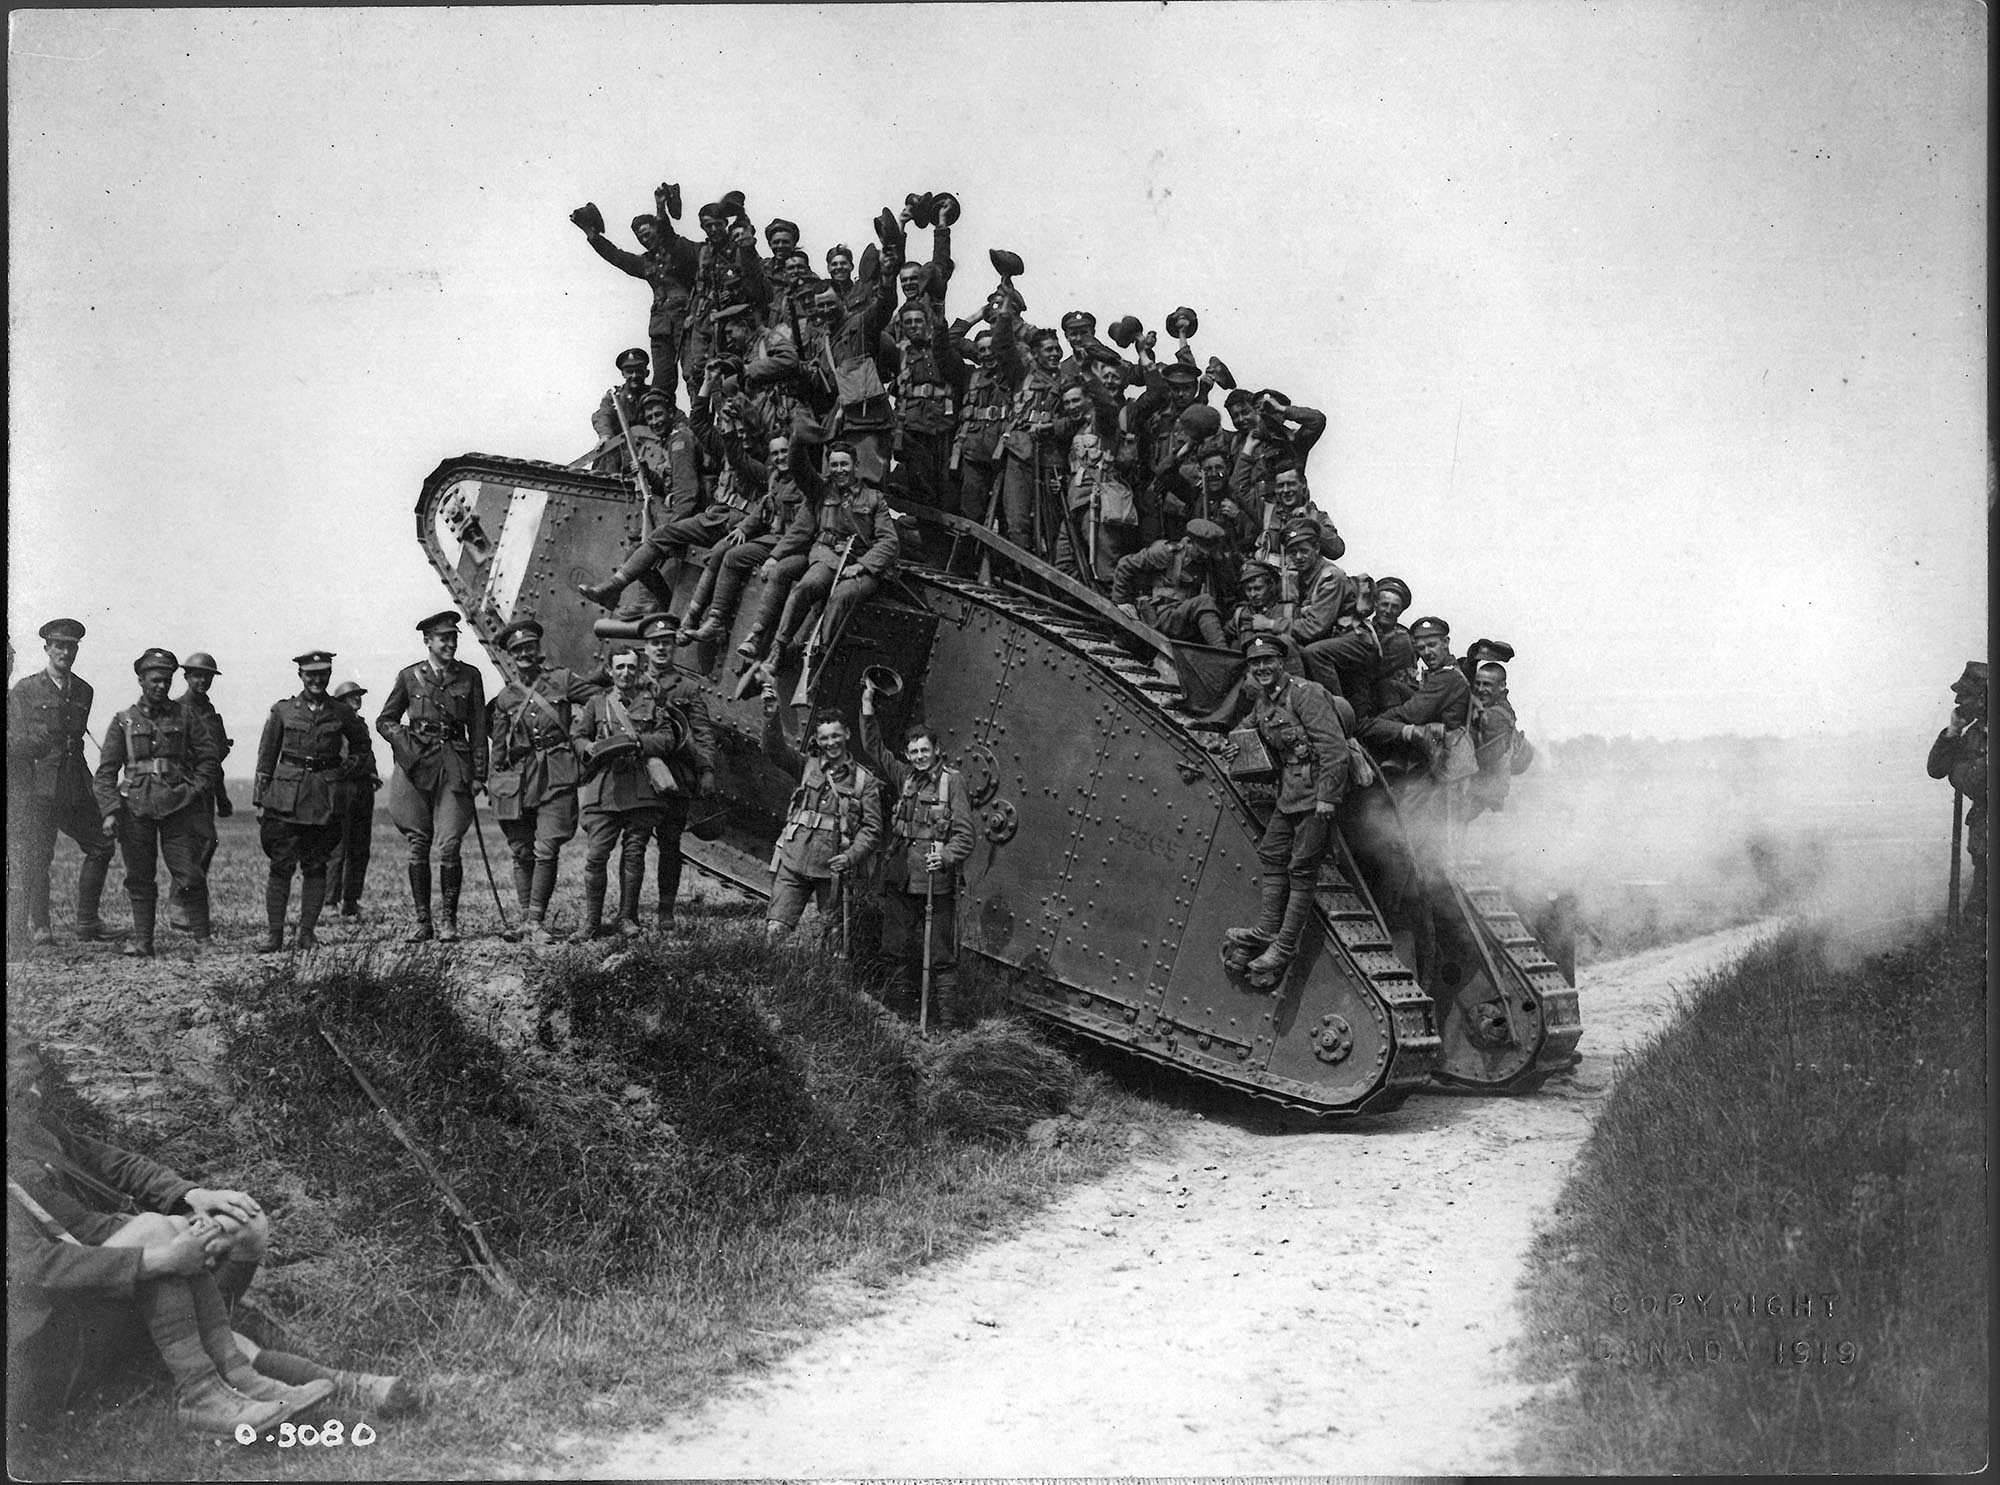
point(1510, 938)
point(1347, 920)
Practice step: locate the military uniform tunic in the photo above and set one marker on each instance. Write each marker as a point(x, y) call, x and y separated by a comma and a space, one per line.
point(435, 723)
point(49, 792)
point(303, 754)
point(169, 764)
point(835, 809)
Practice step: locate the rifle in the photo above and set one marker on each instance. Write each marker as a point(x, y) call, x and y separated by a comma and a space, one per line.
point(817, 639)
point(638, 471)
point(924, 1000)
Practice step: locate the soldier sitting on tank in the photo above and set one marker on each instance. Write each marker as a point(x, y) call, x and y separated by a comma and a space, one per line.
point(677, 474)
point(1959, 754)
point(620, 409)
point(1171, 584)
point(1407, 738)
point(1291, 500)
point(832, 823)
point(1302, 729)
point(1341, 649)
point(1276, 432)
point(1262, 609)
point(1497, 650)
point(1496, 737)
point(848, 537)
point(930, 837)
point(733, 561)
point(1396, 677)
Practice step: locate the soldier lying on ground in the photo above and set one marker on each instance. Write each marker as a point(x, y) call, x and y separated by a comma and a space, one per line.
point(106, 1249)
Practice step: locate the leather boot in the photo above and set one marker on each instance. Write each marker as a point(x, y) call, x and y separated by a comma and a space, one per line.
point(89, 898)
point(593, 907)
point(233, 1364)
point(631, 883)
point(202, 1399)
point(140, 945)
point(277, 896)
point(451, 877)
point(1270, 917)
point(752, 647)
point(604, 594)
point(660, 586)
point(524, 886)
point(946, 1014)
point(384, 1395)
point(420, 898)
point(1286, 946)
point(543, 889)
point(312, 897)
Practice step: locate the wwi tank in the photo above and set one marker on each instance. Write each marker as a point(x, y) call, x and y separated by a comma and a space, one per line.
point(1114, 848)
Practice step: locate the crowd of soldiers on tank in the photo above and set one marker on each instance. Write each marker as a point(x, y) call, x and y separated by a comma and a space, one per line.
point(812, 401)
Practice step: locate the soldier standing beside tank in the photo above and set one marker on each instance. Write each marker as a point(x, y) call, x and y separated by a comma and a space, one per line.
point(354, 802)
point(309, 742)
point(930, 837)
point(691, 765)
point(169, 762)
point(534, 774)
point(200, 670)
point(435, 723)
point(832, 824)
point(49, 792)
point(1300, 725)
point(1959, 754)
point(625, 737)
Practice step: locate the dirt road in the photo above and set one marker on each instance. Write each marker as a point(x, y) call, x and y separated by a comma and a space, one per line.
point(1250, 1303)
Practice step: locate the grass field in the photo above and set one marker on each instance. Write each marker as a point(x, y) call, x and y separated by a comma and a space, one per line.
point(1772, 1257)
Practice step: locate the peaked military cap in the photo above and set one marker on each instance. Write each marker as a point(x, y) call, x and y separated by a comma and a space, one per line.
point(1395, 585)
point(1262, 645)
point(627, 360)
point(1237, 397)
point(1430, 624)
point(1103, 355)
point(656, 394)
point(1278, 397)
point(1499, 649)
point(349, 688)
point(443, 619)
point(155, 659)
point(1076, 317)
point(732, 203)
point(653, 626)
point(1183, 321)
point(779, 224)
point(314, 660)
point(736, 311)
point(715, 210)
point(62, 629)
point(1180, 371)
point(1972, 681)
point(201, 660)
point(643, 221)
point(1206, 532)
point(1301, 528)
point(519, 629)
point(1257, 567)
point(840, 250)
point(1200, 421)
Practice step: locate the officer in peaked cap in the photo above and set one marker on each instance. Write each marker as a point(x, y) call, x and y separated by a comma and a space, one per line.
point(312, 744)
point(49, 793)
point(435, 723)
point(1960, 754)
point(201, 670)
point(157, 768)
point(347, 863)
point(533, 780)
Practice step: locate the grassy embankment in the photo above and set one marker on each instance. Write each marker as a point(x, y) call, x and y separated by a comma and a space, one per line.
point(714, 1130)
point(1807, 1130)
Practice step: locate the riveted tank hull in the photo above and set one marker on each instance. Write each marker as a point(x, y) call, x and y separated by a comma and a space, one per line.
point(1113, 850)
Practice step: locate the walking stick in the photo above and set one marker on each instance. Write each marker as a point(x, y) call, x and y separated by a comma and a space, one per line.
point(924, 1000)
point(1957, 844)
point(479, 834)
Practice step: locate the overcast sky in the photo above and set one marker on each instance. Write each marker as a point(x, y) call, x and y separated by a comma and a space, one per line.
point(1651, 335)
